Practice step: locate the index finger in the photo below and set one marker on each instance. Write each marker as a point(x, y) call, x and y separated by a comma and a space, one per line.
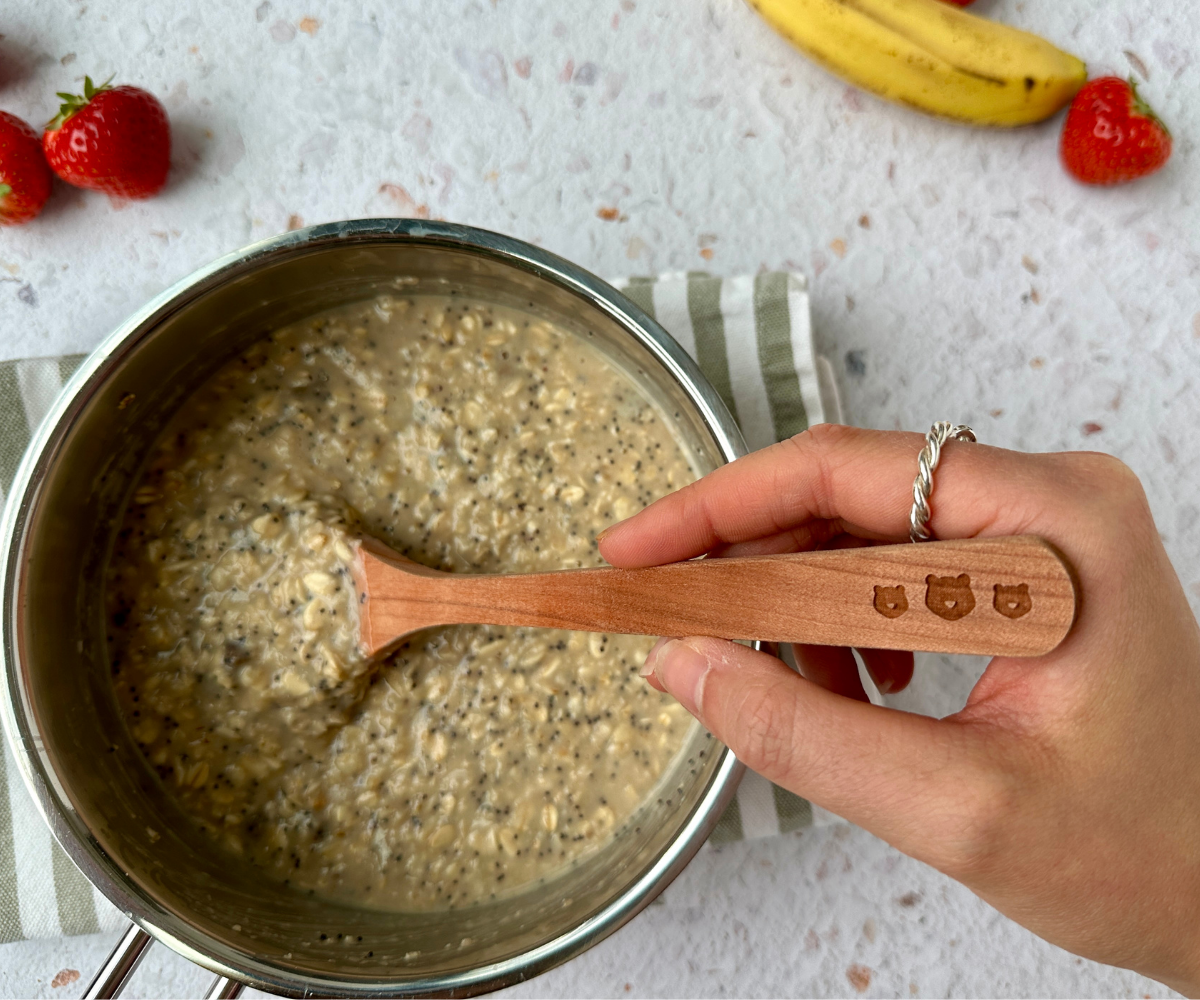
point(861, 477)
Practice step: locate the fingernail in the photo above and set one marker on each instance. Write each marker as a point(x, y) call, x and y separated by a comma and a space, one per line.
point(606, 532)
point(681, 670)
point(652, 658)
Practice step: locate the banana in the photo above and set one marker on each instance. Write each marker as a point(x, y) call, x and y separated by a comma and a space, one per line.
point(932, 56)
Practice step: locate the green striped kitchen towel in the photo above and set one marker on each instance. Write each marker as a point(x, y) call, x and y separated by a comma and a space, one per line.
point(750, 335)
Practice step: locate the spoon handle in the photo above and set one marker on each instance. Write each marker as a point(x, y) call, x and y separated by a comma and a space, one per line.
point(1010, 596)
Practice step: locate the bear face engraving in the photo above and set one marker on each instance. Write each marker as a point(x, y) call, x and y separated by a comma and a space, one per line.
point(949, 597)
point(1012, 601)
point(890, 601)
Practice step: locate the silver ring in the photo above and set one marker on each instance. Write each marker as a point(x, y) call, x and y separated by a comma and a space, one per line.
point(927, 461)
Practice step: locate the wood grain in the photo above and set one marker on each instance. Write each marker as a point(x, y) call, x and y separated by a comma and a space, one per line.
point(994, 596)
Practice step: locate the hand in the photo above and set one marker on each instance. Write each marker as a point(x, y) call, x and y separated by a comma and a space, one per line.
point(1067, 792)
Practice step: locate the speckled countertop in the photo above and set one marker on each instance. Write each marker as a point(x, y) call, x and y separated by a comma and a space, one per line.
point(954, 274)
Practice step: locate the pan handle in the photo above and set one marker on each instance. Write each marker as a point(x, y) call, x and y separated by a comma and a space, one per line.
point(119, 966)
point(224, 988)
point(125, 957)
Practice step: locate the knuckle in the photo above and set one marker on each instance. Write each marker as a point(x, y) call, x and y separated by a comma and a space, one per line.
point(764, 733)
point(816, 449)
point(1108, 476)
point(1113, 491)
point(821, 439)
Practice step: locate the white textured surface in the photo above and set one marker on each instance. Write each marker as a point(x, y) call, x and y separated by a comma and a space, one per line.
point(987, 288)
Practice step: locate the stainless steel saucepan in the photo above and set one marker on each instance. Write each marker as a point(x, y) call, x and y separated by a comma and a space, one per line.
point(102, 801)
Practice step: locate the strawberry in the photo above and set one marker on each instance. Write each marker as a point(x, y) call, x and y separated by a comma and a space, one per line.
point(24, 177)
point(112, 139)
point(1111, 135)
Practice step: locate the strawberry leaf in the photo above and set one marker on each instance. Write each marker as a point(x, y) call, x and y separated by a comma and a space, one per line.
point(1142, 108)
point(72, 103)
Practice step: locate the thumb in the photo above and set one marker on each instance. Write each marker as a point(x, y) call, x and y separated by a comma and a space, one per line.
point(926, 786)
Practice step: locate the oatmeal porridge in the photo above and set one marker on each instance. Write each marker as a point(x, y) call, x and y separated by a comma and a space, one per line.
point(474, 759)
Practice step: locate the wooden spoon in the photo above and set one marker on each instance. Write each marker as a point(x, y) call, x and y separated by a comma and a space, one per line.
point(996, 596)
